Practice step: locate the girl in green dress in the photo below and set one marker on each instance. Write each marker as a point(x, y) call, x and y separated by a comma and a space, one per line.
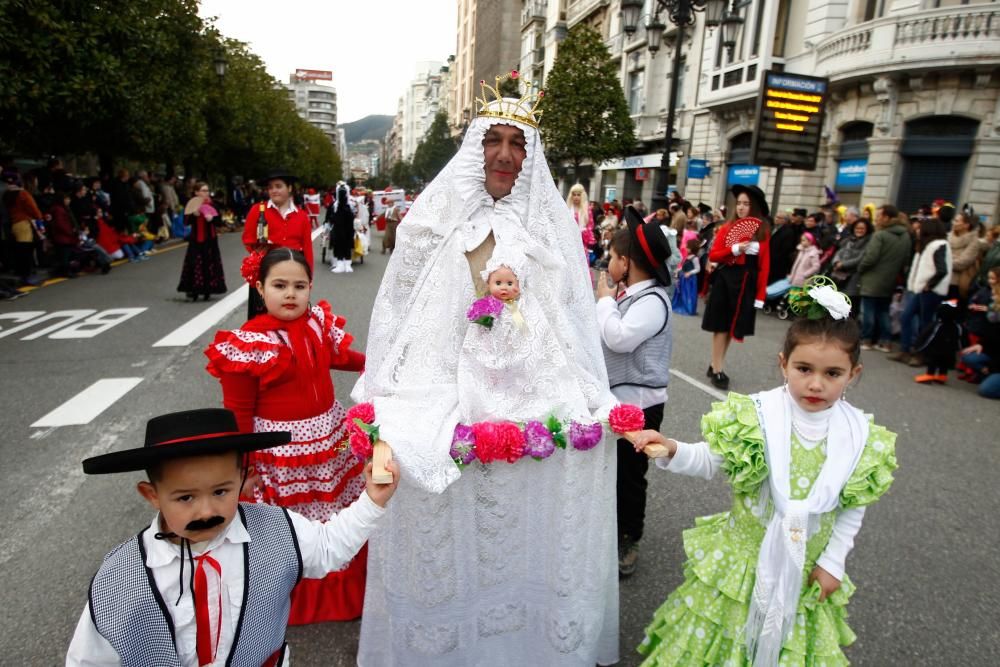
point(764, 583)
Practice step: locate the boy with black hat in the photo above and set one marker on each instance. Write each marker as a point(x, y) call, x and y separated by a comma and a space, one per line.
point(241, 560)
point(637, 339)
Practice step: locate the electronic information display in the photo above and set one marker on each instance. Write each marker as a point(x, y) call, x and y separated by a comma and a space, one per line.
point(790, 112)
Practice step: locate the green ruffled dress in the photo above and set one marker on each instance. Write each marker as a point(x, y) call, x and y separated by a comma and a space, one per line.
point(702, 621)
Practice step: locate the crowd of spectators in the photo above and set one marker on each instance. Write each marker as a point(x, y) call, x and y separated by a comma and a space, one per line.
point(66, 224)
point(911, 277)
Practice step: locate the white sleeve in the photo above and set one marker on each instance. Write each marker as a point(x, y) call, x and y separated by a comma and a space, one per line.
point(841, 541)
point(735, 250)
point(328, 546)
point(623, 334)
point(89, 648)
point(694, 459)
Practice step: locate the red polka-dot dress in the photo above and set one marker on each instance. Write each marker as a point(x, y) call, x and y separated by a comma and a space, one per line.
point(275, 376)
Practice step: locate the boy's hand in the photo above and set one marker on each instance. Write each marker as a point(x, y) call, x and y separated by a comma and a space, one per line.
point(658, 445)
point(603, 289)
point(380, 493)
point(827, 582)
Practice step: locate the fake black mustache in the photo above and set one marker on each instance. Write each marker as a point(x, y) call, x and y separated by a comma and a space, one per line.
point(204, 524)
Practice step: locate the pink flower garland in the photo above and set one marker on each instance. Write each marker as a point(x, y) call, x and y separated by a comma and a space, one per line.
point(362, 429)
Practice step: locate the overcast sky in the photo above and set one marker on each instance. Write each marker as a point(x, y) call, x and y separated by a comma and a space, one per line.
point(372, 46)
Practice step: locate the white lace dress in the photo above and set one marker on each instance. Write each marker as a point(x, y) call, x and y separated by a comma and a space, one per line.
point(499, 564)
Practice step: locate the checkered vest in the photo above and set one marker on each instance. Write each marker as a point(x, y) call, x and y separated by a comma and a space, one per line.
point(128, 610)
point(648, 365)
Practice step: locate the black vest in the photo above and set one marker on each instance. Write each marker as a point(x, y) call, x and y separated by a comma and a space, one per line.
point(128, 610)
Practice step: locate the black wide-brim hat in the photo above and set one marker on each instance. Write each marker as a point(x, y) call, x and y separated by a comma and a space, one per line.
point(185, 434)
point(651, 241)
point(756, 195)
point(278, 175)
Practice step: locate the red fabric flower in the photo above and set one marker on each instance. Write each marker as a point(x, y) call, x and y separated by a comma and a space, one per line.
point(498, 441)
point(250, 268)
point(363, 411)
point(624, 418)
point(512, 438)
point(361, 444)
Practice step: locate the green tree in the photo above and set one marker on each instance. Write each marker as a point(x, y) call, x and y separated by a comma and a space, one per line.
point(401, 175)
point(434, 150)
point(585, 113)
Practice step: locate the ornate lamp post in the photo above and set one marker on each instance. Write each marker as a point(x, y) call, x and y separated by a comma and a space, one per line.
point(682, 13)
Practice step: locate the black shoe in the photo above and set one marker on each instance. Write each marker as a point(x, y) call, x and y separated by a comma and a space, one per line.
point(628, 557)
point(709, 373)
point(720, 380)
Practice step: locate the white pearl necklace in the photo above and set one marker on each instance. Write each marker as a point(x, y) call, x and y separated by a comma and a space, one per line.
point(804, 433)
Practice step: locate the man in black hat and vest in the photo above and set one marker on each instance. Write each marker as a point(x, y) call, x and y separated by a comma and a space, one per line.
point(208, 581)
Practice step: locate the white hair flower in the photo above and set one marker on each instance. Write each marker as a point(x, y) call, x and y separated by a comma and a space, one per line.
point(835, 303)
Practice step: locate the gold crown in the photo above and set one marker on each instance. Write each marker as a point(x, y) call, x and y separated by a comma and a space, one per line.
point(524, 110)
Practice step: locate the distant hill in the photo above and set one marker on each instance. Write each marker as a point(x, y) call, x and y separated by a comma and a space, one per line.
point(369, 127)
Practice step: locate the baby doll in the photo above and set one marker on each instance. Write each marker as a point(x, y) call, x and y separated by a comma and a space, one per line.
point(511, 366)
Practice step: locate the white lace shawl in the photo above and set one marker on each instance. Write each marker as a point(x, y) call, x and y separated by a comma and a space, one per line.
point(419, 321)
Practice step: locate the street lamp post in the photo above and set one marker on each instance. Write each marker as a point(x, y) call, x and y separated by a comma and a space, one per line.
point(682, 13)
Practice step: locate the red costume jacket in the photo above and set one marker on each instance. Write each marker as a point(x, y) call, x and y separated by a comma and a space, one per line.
point(293, 232)
point(741, 231)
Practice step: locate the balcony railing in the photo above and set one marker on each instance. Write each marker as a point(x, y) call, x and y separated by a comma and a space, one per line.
point(973, 23)
point(534, 10)
point(934, 38)
point(577, 10)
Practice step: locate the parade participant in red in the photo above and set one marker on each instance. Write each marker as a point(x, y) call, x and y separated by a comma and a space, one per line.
point(741, 251)
point(275, 375)
point(276, 222)
point(312, 199)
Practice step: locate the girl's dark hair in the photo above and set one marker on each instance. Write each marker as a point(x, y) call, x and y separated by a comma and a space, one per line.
point(931, 229)
point(281, 254)
point(693, 245)
point(622, 244)
point(869, 227)
point(845, 332)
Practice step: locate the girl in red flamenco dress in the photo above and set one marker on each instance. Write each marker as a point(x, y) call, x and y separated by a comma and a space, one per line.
point(275, 375)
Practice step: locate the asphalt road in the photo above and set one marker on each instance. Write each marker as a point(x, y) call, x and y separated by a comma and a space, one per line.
point(925, 562)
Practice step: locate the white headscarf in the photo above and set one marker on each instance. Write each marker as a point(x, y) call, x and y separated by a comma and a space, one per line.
point(419, 320)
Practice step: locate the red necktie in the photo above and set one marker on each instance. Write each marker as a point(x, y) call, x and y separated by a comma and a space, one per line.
point(208, 632)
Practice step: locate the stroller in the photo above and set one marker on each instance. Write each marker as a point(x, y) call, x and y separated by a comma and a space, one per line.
point(777, 299)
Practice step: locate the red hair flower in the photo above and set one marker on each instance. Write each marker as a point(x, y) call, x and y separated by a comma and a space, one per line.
point(250, 268)
point(624, 418)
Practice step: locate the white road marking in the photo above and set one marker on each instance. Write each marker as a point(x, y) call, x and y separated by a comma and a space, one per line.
point(711, 391)
point(188, 332)
point(65, 317)
point(92, 401)
point(317, 232)
point(96, 324)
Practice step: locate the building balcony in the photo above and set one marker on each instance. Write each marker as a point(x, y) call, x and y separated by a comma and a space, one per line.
point(577, 10)
point(940, 38)
point(534, 10)
point(615, 44)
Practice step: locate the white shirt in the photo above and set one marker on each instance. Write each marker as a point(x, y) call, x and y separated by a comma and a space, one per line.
point(697, 460)
point(325, 547)
point(287, 212)
point(623, 334)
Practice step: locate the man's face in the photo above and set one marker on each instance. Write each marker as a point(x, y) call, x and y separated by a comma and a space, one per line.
point(196, 492)
point(504, 151)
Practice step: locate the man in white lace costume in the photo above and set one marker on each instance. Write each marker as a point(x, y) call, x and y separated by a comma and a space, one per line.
point(496, 564)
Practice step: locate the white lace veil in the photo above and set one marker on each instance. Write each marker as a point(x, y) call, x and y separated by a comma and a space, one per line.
point(418, 321)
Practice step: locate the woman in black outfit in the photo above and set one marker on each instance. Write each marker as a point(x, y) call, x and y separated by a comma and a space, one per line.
point(343, 233)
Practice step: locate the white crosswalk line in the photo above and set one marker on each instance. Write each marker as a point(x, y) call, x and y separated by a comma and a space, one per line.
point(188, 332)
point(92, 401)
point(701, 385)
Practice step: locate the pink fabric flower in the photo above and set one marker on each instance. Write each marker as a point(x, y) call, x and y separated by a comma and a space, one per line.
point(538, 441)
point(624, 418)
point(363, 411)
point(463, 445)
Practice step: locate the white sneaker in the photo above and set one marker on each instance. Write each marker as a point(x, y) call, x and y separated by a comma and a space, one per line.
point(338, 267)
point(347, 266)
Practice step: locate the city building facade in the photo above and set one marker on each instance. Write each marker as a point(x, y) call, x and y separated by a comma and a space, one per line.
point(913, 113)
point(316, 103)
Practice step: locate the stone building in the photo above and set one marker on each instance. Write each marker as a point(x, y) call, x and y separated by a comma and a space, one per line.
point(316, 103)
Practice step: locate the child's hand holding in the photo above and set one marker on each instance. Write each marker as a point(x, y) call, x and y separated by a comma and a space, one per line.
point(653, 444)
point(380, 493)
point(603, 289)
point(827, 582)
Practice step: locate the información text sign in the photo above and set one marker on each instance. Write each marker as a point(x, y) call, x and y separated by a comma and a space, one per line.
point(790, 112)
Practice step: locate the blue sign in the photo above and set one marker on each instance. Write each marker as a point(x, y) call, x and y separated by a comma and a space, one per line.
point(698, 168)
point(851, 173)
point(743, 174)
point(795, 82)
